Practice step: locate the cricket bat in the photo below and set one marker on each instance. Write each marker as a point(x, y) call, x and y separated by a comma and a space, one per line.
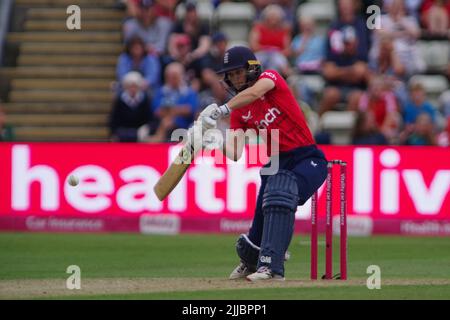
point(178, 167)
point(176, 171)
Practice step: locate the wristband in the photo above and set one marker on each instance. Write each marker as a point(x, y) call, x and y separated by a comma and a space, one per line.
point(224, 109)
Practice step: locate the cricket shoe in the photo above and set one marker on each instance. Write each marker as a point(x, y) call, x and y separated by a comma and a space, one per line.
point(264, 273)
point(240, 272)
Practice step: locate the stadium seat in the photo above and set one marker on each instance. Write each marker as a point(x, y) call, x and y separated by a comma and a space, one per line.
point(315, 83)
point(205, 11)
point(235, 20)
point(339, 124)
point(435, 53)
point(433, 84)
point(322, 11)
point(238, 43)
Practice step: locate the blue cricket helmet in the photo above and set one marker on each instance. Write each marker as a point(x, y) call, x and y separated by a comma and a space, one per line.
point(241, 57)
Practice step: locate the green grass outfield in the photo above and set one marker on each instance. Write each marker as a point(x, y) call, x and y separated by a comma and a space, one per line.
point(124, 266)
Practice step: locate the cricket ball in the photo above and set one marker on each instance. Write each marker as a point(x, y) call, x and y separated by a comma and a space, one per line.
point(73, 181)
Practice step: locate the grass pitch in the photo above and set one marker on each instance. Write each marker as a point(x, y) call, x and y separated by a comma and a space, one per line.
point(125, 266)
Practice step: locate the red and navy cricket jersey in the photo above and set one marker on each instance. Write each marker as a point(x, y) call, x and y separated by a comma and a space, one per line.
point(277, 109)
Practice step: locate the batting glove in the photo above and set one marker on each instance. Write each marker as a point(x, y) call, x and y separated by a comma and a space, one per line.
point(211, 113)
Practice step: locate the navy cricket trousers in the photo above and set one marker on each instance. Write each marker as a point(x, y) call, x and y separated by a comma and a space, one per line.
point(309, 166)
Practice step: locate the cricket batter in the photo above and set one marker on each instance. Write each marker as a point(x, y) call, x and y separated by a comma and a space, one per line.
point(263, 100)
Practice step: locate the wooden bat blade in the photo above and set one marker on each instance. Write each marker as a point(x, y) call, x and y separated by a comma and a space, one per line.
point(170, 179)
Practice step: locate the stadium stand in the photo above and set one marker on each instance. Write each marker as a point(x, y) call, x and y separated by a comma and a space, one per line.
point(436, 54)
point(60, 83)
point(323, 11)
point(5, 9)
point(205, 11)
point(57, 73)
point(235, 20)
point(338, 125)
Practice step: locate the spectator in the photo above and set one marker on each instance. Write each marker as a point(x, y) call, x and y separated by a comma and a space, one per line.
point(417, 104)
point(289, 10)
point(388, 64)
point(386, 61)
point(213, 90)
point(131, 110)
point(132, 7)
point(421, 133)
point(311, 116)
point(366, 132)
point(308, 48)
point(443, 139)
point(380, 101)
point(6, 131)
point(435, 16)
point(259, 8)
point(270, 40)
point(166, 8)
point(345, 68)
point(214, 58)
point(412, 7)
point(405, 32)
point(444, 101)
point(197, 31)
point(175, 103)
point(148, 26)
point(181, 52)
point(135, 58)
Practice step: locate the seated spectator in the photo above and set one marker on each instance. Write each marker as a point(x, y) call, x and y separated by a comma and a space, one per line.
point(308, 48)
point(197, 32)
point(213, 91)
point(135, 58)
point(6, 131)
point(417, 104)
point(387, 63)
point(380, 101)
point(444, 105)
point(289, 9)
point(366, 131)
point(270, 40)
point(153, 30)
point(259, 6)
point(422, 133)
point(175, 103)
point(132, 7)
point(213, 60)
point(444, 102)
point(435, 16)
point(412, 7)
point(405, 31)
point(163, 8)
point(345, 67)
point(166, 8)
point(181, 52)
point(131, 110)
point(443, 138)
